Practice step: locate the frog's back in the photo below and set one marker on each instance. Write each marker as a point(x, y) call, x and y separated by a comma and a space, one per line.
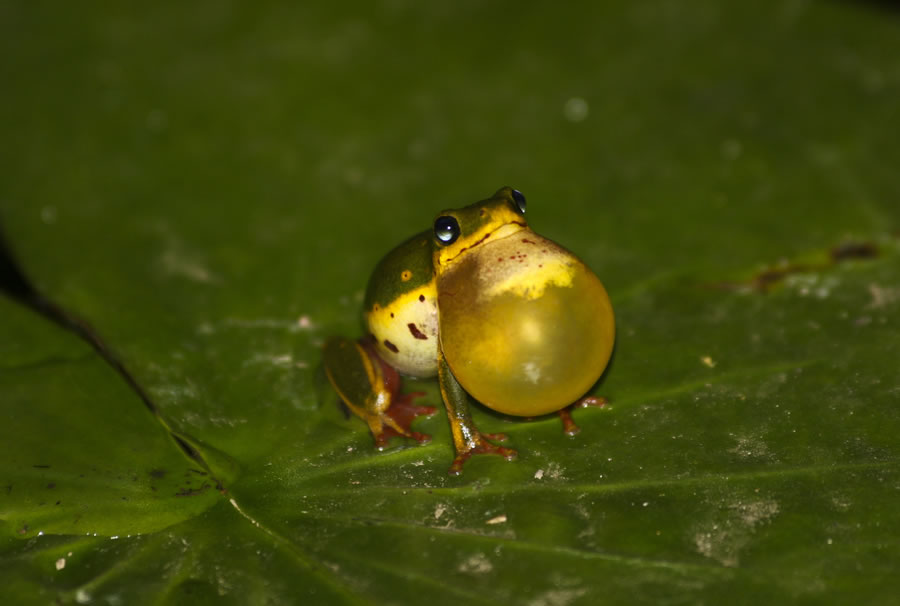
point(401, 308)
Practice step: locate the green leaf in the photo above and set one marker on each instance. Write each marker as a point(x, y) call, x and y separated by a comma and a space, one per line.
point(208, 186)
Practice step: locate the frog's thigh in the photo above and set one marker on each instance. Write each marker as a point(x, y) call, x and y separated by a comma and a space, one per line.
point(355, 377)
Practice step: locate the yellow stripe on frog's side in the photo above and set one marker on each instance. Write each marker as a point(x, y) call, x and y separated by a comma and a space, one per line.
point(406, 330)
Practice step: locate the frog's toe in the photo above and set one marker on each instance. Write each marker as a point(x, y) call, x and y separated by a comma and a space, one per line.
point(594, 401)
point(498, 437)
point(405, 402)
point(383, 437)
point(565, 414)
point(484, 447)
point(403, 412)
point(397, 421)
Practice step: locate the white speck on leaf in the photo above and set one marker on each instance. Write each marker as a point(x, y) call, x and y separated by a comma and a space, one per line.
point(749, 447)
point(726, 535)
point(882, 296)
point(478, 564)
point(439, 511)
point(558, 597)
point(732, 149)
point(576, 109)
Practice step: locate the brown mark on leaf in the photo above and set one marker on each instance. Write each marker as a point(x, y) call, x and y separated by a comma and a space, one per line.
point(192, 492)
point(418, 334)
point(854, 250)
point(157, 473)
point(770, 277)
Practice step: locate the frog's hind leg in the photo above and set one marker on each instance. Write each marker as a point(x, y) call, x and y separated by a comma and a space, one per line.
point(402, 410)
point(370, 389)
point(569, 426)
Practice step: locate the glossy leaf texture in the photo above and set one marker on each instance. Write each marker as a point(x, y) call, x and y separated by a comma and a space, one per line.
point(208, 186)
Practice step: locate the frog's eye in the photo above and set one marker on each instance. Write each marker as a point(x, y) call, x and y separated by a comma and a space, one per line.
point(520, 200)
point(446, 230)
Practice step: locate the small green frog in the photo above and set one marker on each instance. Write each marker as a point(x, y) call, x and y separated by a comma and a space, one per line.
point(490, 307)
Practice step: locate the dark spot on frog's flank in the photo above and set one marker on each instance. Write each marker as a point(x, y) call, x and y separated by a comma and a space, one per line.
point(854, 250)
point(41, 466)
point(392, 314)
point(527, 241)
point(422, 298)
point(482, 212)
point(543, 250)
point(391, 346)
point(157, 473)
point(376, 308)
point(418, 334)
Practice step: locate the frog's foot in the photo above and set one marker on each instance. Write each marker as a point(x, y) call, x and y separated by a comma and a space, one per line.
point(398, 419)
point(482, 446)
point(569, 426)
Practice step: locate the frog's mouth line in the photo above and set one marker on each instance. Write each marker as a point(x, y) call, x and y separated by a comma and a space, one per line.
point(486, 236)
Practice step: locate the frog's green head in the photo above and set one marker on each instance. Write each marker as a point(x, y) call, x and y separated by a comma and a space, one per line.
point(457, 232)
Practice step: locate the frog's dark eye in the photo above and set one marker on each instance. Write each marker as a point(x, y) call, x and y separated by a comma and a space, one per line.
point(520, 200)
point(446, 230)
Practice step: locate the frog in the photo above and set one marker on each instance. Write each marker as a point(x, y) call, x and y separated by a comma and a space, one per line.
point(499, 314)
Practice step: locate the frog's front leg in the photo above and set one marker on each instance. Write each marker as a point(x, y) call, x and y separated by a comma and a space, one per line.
point(467, 439)
point(370, 388)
